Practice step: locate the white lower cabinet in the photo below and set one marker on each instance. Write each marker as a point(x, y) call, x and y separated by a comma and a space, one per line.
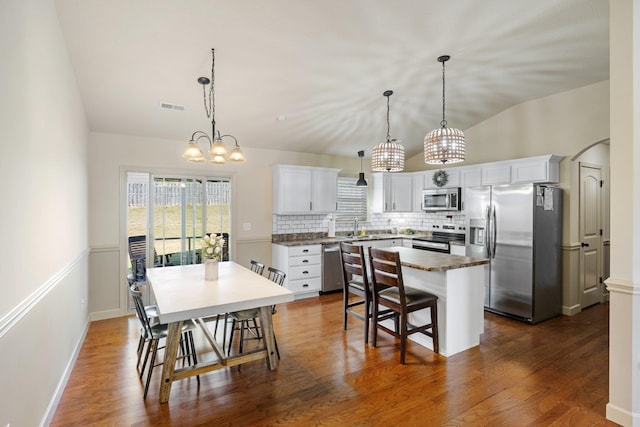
point(303, 267)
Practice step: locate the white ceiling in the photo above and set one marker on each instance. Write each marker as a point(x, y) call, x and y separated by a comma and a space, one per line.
point(324, 65)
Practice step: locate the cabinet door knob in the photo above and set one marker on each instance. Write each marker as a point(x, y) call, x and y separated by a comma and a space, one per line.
point(305, 272)
point(584, 245)
point(305, 250)
point(306, 285)
point(304, 261)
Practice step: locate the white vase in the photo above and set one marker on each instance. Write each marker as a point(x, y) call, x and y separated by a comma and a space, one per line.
point(210, 269)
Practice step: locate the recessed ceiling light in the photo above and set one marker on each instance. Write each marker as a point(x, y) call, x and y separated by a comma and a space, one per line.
point(282, 118)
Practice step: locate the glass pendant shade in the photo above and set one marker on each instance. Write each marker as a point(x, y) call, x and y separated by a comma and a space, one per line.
point(387, 157)
point(218, 148)
point(236, 154)
point(218, 159)
point(193, 153)
point(444, 145)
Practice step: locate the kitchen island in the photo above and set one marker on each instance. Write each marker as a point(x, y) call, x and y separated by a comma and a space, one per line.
point(458, 281)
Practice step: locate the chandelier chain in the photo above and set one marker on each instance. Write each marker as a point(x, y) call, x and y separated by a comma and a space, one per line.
point(388, 122)
point(210, 106)
point(443, 123)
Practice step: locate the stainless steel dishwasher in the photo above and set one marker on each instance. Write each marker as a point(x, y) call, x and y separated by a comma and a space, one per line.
point(331, 268)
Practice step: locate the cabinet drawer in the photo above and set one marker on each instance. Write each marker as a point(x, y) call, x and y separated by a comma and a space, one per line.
point(304, 260)
point(304, 285)
point(304, 250)
point(304, 272)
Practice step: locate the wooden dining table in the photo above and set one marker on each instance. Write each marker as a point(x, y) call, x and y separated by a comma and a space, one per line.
point(181, 293)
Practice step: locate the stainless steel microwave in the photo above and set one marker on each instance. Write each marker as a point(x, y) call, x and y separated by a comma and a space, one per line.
point(442, 199)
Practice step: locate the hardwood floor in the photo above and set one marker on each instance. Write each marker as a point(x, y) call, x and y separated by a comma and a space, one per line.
point(553, 373)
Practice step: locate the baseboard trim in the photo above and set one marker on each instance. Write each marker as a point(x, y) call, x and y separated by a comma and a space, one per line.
point(571, 310)
point(57, 395)
point(621, 416)
point(106, 314)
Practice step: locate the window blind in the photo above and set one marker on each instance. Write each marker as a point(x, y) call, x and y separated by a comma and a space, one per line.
point(352, 200)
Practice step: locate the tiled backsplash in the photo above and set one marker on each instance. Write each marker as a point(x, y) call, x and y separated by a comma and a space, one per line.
point(419, 221)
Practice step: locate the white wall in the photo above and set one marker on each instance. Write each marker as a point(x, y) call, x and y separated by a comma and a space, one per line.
point(563, 124)
point(43, 220)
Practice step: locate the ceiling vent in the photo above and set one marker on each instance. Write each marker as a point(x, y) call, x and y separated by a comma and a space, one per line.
point(168, 106)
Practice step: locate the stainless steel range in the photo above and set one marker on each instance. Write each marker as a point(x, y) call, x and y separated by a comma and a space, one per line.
point(439, 240)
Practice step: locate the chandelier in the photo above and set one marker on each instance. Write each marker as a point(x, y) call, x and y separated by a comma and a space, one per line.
point(388, 156)
point(218, 153)
point(444, 145)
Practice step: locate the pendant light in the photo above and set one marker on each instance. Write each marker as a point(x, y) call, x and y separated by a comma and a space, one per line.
point(361, 181)
point(388, 156)
point(444, 145)
point(217, 149)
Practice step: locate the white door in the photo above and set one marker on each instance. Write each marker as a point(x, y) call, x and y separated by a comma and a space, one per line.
point(590, 235)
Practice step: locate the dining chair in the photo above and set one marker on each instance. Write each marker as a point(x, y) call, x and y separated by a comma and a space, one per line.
point(153, 333)
point(356, 289)
point(138, 256)
point(245, 320)
point(255, 266)
point(389, 291)
point(151, 312)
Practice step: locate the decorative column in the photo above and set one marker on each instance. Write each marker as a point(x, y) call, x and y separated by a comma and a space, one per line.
point(624, 282)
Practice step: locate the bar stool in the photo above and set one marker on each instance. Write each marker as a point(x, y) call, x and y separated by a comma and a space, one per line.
point(389, 291)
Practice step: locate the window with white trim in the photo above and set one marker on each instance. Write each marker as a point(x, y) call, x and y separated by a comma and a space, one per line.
point(352, 200)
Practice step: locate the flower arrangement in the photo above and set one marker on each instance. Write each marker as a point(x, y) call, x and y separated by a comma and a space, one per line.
point(212, 247)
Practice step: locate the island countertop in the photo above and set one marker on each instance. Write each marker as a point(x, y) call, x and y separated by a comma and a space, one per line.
point(434, 261)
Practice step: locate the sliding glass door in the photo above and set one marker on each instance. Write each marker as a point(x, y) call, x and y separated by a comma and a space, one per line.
point(168, 215)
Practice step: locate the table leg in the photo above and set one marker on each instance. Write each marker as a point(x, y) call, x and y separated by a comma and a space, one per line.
point(266, 323)
point(169, 363)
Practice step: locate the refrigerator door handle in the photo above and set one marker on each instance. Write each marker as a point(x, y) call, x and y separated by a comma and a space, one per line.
point(495, 233)
point(487, 234)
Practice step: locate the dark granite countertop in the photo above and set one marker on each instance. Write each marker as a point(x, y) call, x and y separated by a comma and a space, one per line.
point(310, 239)
point(434, 261)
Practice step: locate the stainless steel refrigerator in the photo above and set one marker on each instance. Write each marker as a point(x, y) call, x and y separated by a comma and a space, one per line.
point(519, 228)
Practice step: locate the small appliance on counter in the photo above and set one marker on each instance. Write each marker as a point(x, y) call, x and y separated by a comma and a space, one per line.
point(331, 227)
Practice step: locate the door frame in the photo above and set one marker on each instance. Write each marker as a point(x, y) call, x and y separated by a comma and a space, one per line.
point(122, 216)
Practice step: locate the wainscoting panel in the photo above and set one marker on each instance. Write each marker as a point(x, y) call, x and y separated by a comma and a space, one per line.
point(257, 249)
point(47, 333)
point(571, 279)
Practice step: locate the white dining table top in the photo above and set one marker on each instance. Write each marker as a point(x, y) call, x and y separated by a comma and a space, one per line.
point(181, 292)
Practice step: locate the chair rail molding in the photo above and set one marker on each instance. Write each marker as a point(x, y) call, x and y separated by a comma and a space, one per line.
point(9, 320)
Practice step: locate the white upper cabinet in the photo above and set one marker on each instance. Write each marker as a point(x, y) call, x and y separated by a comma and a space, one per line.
point(470, 176)
point(392, 192)
point(418, 188)
point(536, 169)
point(496, 173)
point(453, 178)
point(300, 189)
